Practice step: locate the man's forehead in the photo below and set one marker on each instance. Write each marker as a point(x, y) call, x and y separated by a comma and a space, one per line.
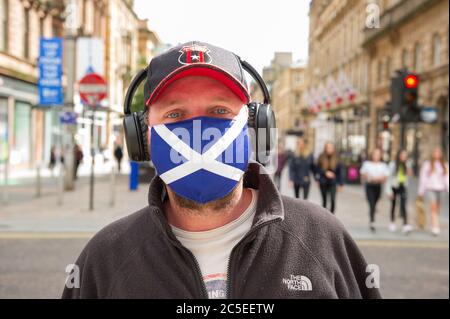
point(195, 87)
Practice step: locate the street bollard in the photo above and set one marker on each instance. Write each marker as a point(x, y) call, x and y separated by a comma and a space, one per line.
point(60, 183)
point(38, 180)
point(5, 184)
point(112, 180)
point(134, 176)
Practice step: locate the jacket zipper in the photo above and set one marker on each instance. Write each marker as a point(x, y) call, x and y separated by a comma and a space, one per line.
point(198, 273)
point(197, 266)
point(228, 290)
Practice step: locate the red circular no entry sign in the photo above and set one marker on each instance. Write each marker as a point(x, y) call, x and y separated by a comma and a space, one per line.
point(92, 88)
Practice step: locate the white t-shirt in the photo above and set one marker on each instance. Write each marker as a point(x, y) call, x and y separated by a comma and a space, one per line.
point(374, 170)
point(212, 248)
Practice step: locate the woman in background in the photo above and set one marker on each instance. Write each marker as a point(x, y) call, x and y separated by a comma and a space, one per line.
point(300, 167)
point(433, 182)
point(397, 187)
point(282, 158)
point(328, 173)
point(374, 173)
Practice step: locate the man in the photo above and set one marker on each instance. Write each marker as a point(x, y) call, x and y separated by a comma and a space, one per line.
point(118, 154)
point(216, 225)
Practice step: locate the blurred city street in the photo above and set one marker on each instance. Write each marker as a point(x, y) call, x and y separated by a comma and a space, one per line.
point(356, 92)
point(38, 238)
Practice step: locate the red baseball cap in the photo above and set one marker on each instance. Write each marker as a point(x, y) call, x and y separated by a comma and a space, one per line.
point(195, 59)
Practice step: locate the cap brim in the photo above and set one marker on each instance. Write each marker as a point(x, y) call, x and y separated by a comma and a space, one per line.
point(202, 69)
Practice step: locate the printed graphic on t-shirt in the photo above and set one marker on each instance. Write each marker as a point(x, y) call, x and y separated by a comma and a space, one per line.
point(216, 285)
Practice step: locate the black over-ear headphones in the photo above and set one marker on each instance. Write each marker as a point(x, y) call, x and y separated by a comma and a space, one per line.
point(261, 122)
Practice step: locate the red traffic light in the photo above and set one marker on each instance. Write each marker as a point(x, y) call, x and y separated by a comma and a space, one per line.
point(411, 81)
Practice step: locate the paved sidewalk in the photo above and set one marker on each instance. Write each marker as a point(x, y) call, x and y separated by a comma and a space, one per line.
point(45, 215)
point(352, 210)
point(29, 214)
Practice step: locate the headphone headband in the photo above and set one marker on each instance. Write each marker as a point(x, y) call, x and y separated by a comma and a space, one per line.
point(137, 80)
point(255, 75)
point(260, 116)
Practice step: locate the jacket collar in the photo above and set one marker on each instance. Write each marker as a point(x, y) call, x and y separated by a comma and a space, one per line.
point(268, 207)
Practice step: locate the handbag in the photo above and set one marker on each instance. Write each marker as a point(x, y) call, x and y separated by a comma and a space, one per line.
point(420, 213)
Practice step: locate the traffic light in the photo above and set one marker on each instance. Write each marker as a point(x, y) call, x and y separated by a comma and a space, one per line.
point(404, 96)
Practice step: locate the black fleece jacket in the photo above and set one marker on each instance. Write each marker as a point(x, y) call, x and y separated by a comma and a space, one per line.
point(295, 249)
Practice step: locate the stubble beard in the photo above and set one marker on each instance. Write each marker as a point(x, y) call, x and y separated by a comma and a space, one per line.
point(219, 206)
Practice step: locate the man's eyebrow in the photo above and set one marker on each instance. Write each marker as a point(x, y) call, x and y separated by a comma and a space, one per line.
point(220, 99)
point(171, 103)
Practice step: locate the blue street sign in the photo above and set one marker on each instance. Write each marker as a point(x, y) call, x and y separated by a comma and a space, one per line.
point(68, 118)
point(50, 72)
point(429, 114)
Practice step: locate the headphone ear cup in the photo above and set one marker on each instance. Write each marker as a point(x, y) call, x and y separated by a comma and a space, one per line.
point(266, 119)
point(135, 126)
point(131, 136)
point(253, 128)
point(145, 149)
point(261, 120)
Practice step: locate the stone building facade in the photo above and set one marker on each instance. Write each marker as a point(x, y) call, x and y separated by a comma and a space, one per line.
point(26, 131)
point(413, 34)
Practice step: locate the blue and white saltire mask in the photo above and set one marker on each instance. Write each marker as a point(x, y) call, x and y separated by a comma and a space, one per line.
point(203, 158)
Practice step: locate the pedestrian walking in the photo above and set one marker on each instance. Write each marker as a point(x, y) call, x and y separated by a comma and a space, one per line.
point(78, 158)
point(433, 182)
point(118, 154)
point(301, 166)
point(52, 162)
point(328, 174)
point(282, 158)
point(397, 188)
point(55, 155)
point(374, 173)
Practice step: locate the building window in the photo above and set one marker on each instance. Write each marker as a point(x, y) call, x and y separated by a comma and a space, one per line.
point(405, 59)
point(417, 58)
point(3, 25)
point(41, 27)
point(3, 129)
point(436, 50)
point(388, 68)
point(22, 133)
point(379, 71)
point(297, 99)
point(26, 36)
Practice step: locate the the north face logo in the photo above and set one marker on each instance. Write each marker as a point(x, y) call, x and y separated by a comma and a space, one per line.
point(298, 283)
point(194, 54)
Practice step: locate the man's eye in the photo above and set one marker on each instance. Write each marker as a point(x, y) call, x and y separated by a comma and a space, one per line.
point(173, 115)
point(221, 111)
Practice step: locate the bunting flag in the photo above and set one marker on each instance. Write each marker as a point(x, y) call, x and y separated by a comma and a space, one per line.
point(316, 100)
point(308, 100)
point(334, 89)
point(346, 87)
point(324, 96)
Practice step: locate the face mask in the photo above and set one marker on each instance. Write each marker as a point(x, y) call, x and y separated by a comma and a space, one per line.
point(201, 159)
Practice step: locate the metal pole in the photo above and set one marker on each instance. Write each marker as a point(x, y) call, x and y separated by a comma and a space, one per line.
point(59, 164)
point(402, 134)
point(91, 186)
point(5, 186)
point(70, 46)
point(112, 184)
point(38, 180)
point(60, 181)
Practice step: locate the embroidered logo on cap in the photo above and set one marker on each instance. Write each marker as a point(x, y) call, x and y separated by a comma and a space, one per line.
point(194, 54)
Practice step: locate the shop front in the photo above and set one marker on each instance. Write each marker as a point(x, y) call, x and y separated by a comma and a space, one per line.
point(18, 138)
